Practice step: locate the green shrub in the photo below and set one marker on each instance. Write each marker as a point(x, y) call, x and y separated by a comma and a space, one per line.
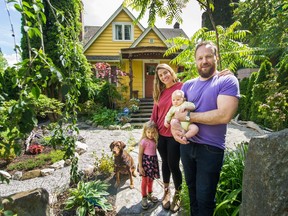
point(88, 108)
point(260, 91)
point(2, 209)
point(87, 196)
point(48, 107)
point(104, 164)
point(104, 117)
point(108, 95)
point(185, 201)
point(229, 189)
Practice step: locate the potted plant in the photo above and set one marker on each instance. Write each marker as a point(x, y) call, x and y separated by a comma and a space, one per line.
point(134, 108)
point(134, 105)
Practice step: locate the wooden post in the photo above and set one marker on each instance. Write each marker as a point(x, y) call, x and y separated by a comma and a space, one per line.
point(130, 76)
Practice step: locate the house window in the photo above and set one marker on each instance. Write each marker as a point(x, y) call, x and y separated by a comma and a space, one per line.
point(122, 31)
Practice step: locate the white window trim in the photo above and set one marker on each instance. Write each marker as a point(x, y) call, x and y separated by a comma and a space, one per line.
point(122, 23)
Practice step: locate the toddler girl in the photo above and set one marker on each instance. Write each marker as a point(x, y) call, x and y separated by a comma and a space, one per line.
point(148, 162)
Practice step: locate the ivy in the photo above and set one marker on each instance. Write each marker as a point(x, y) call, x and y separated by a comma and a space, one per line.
point(53, 68)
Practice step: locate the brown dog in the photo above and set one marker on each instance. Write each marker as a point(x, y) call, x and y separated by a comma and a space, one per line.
point(123, 162)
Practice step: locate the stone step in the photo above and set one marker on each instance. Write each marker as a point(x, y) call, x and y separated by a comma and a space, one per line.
point(144, 114)
point(140, 114)
point(145, 110)
point(140, 119)
point(137, 124)
point(146, 103)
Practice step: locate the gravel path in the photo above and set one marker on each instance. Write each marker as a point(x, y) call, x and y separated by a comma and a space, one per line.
point(98, 141)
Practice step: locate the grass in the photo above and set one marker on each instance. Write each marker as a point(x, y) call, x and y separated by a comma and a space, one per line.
point(37, 161)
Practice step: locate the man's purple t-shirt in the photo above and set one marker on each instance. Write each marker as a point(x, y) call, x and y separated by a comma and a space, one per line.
point(204, 95)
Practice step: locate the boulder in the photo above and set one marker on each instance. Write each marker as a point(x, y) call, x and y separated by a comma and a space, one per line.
point(265, 177)
point(31, 174)
point(29, 203)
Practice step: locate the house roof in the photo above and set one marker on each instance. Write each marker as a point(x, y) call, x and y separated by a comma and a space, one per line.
point(89, 32)
point(107, 23)
point(171, 33)
point(162, 33)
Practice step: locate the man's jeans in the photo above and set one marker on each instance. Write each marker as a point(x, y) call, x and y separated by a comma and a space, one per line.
point(202, 165)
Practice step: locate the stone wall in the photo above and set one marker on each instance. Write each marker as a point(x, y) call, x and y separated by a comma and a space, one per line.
point(29, 203)
point(265, 178)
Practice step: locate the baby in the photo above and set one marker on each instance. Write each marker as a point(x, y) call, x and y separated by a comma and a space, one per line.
point(178, 102)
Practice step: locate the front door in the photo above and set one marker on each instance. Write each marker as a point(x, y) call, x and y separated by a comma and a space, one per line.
point(149, 77)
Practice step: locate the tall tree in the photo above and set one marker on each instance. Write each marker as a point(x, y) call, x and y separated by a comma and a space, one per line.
point(172, 9)
point(268, 23)
point(222, 14)
point(168, 9)
point(260, 90)
point(235, 53)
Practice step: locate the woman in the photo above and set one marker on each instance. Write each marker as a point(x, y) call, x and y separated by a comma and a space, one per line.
point(165, 83)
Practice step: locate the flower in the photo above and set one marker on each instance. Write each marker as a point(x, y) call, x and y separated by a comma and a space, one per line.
point(35, 148)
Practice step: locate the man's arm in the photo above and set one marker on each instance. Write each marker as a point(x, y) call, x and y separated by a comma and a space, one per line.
point(227, 106)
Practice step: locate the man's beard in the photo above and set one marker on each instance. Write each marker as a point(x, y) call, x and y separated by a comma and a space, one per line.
point(206, 74)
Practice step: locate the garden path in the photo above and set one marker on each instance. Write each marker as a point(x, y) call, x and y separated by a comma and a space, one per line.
point(128, 201)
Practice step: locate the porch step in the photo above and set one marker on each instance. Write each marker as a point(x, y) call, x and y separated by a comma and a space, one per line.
point(144, 114)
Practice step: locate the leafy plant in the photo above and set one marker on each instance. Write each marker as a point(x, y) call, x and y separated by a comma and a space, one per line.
point(134, 108)
point(104, 164)
point(229, 189)
point(2, 209)
point(134, 105)
point(235, 53)
point(60, 75)
point(104, 117)
point(87, 196)
point(185, 201)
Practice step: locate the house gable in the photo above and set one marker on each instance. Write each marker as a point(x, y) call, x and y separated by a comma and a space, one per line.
point(150, 37)
point(105, 33)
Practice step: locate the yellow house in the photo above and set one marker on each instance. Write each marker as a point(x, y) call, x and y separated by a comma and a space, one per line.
point(130, 47)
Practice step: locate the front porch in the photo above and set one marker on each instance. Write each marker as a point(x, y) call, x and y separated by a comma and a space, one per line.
point(141, 63)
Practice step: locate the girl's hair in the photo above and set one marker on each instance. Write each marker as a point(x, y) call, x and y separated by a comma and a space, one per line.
point(158, 85)
point(150, 125)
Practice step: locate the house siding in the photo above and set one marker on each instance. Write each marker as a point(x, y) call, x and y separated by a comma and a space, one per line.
point(138, 77)
point(146, 40)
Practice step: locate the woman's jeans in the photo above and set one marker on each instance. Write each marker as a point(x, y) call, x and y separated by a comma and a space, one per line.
point(202, 165)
